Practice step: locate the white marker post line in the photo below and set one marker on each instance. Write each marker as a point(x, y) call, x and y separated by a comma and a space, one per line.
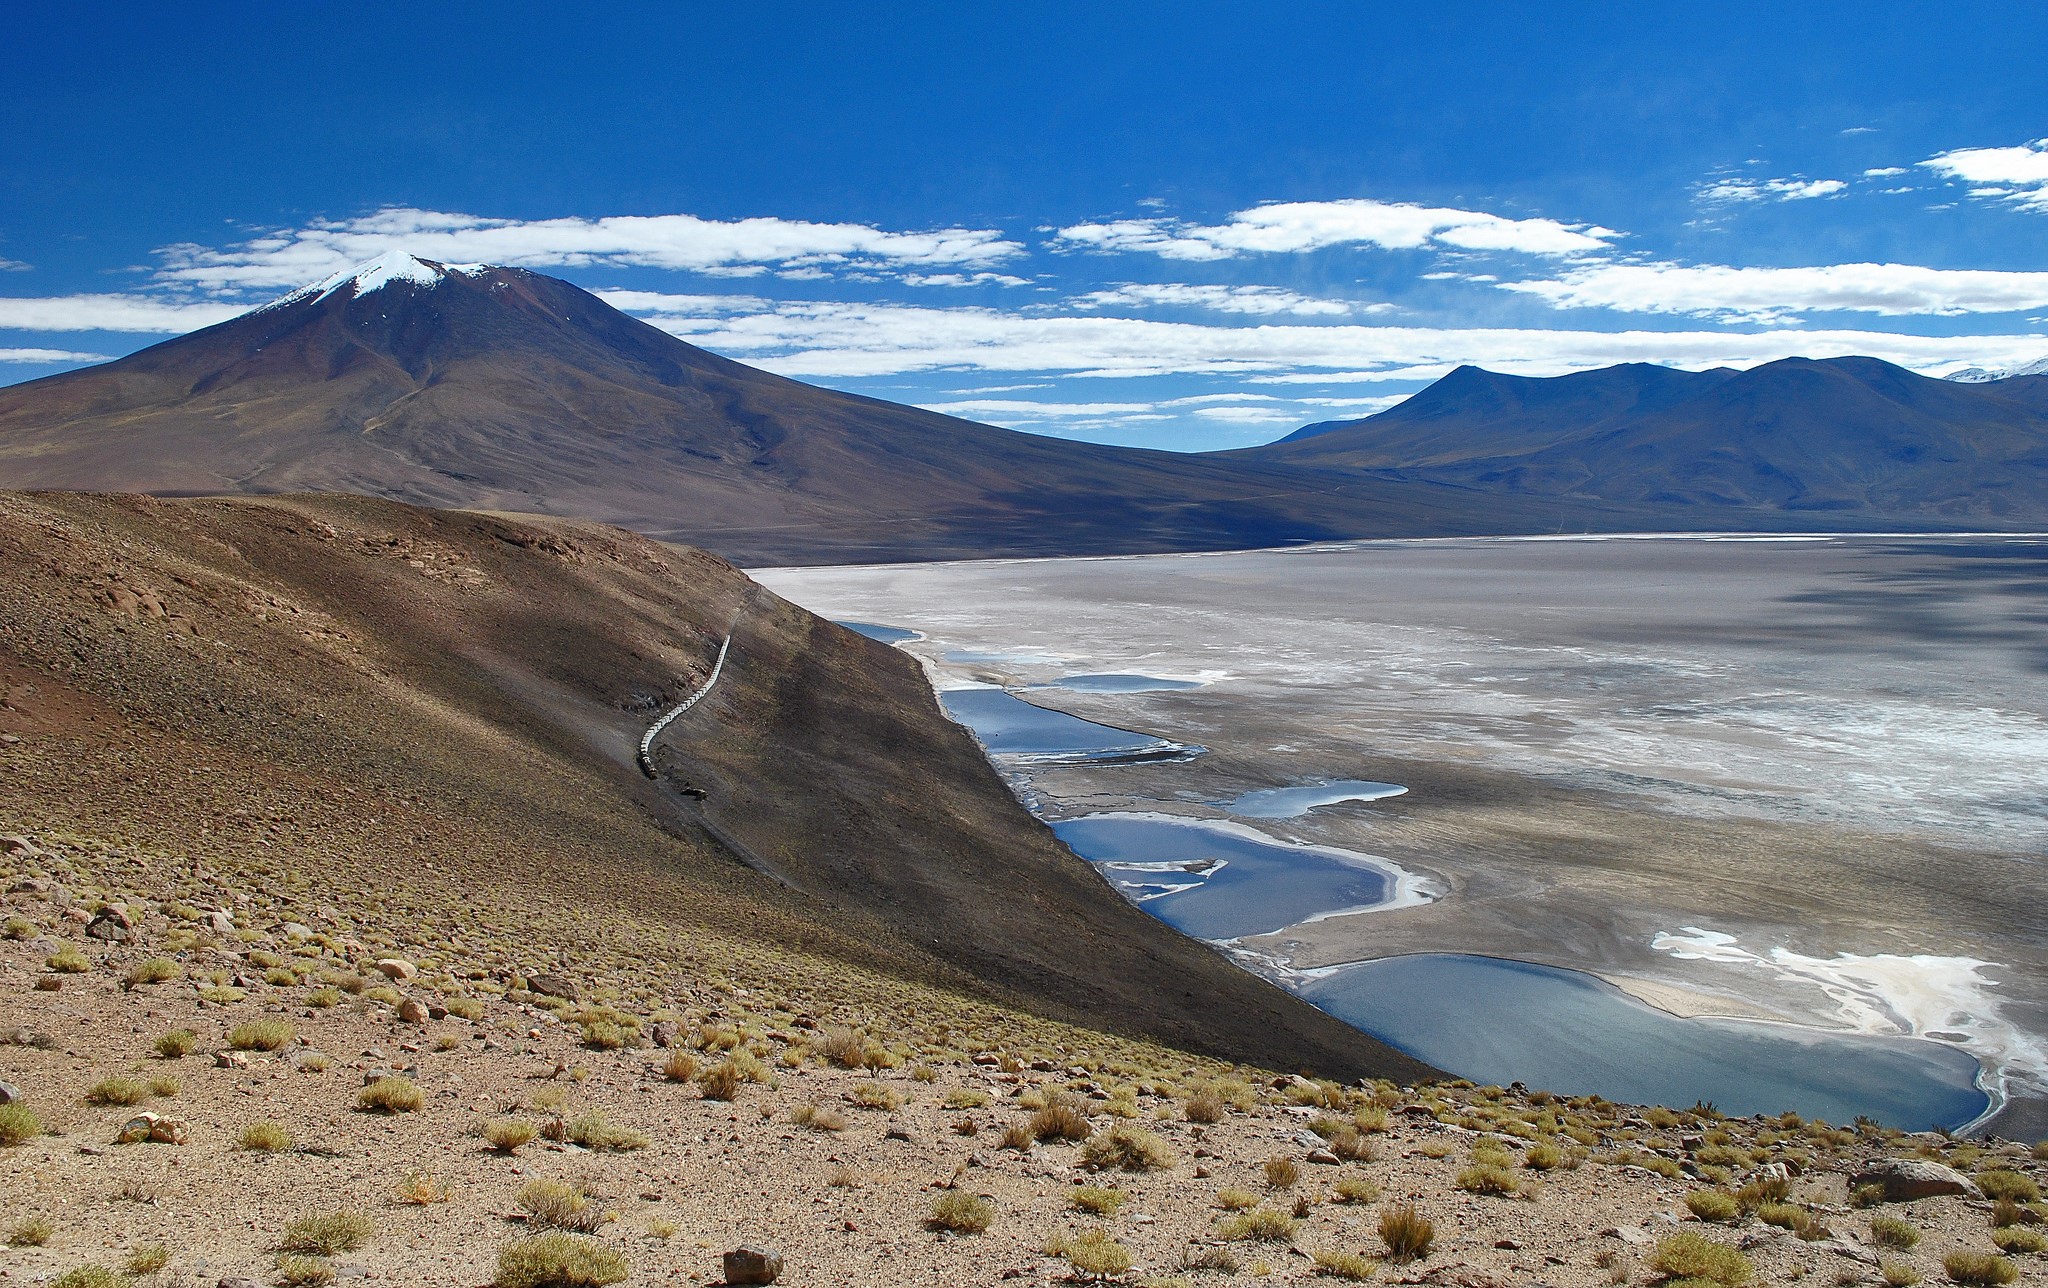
point(654, 730)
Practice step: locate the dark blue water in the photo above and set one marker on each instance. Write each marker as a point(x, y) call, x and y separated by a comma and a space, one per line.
point(1009, 726)
point(1504, 1021)
point(886, 634)
point(1114, 683)
point(1293, 802)
point(1252, 885)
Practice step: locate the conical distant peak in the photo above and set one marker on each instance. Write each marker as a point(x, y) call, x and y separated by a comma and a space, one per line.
point(392, 266)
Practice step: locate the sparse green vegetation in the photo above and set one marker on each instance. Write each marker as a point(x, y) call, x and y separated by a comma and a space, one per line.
point(722, 1081)
point(19, 1124)
point(2001, 1183)
point(156, 970)
point(116, 1091)
point(1407, 1234)
point(89, 1277)
point(297, 1270)
point(146, 1260)
point(265, 1137)
point(506, 1135)
point(261, 1035)
point(1097, 1199)
point(1894, 1233)
point(1060, 1118)
point(1093, 1254)
point(1713, 1205)
point(594, 1131)
point(176, 1044)
point(965, 1098)
point(165, 1085)
point(392, 1095)
point(874, 1095)
point(960, 1212)
point(1126, 1148)
point(1282, 1173)
point(559, 1261)
point(1690, 1256)
point(1268, 1224)
point(326, 1233)
point(1979, 1269)
point(67, 960)
point(558, 1205)
point(1357, 1189)
point(1345, 1265)
point(2019, 1240)
point(1898, 1274)
point(31, 1232)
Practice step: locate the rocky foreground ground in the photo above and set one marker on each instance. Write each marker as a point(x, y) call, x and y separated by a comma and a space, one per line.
point(210, 1084)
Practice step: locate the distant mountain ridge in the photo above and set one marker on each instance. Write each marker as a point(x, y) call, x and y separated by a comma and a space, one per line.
point(1981, 375)
point(501, 389)
point(1834, 438)
point(498, 388)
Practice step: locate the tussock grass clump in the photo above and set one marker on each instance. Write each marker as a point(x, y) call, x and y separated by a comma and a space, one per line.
point(18, 1124)
point(603, 1035)
point(1205, 1107)
point(558, 1205)
point(1407, 1234)
point(1093, 1254)
point(960, 1212)
point(393, 1095)
point(89, 1277)
point(324, 997)
point(1713, 1205)
point(1345, 1265)
point(67, 960)
point(19, 928)
point(874, 1095)
point(156, 970)
point(265, 1138)
point(965, 1098)
point(176, 1044)
point(31, 1232)
point(421, 1189)
point(1282, 1173)
point(1898, 1274)
point(1979, 1269)
point(1060, 1118)
point(1235, 1199)
point(146, 1260)
point(680, 1066)
point(1687, 1255)
point(2018, 1239)
point(1267, 1224)
point(297, 1270)
point(1765, 1189)
point(594, 1131)
point(1894, 1233)
point(1357, 1189)
point(164, 1084)
point(116, 1091)
point(722, 1081)
point(326, 1233)
point(1788, 1216)
point(818, 1117)
point(1127, 1148)
point(261, 1035)
point(559, 1261)
point(1097, 1199)
point(1489, 1178)
point(2002, 1183)
point(506, 1135)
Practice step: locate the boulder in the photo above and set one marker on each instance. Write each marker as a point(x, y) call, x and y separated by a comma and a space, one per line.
point(111, 924)
point(12, 845)
point(412, 1011)
point(220, 923)
point(1907, 1179)
point(752, 1264)
point(397, 967)
point(28, 885)
point(9, 1094)
point(662, 1033)
point(548, 985)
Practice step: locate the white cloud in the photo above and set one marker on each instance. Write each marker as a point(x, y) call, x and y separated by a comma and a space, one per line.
point(1248, 415)
point(1730, 190)
point(1285, 227)
point(1778, 294)
point(827, 340)
point(1255, 300)
point(50, 355)
point(295, 256)
point(130, 313)
point(964, 279)
point(14, 266)
point(1021, 408)
point(1884, 172)
point(2016, 174)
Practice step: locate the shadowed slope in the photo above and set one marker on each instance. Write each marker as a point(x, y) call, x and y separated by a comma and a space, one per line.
point(348, 697)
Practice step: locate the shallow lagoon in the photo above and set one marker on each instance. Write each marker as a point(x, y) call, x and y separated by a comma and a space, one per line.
point(1499, 1021)
point(1248, 884)
point(1109, 682)
point(1011, 727)
point(1293, 802)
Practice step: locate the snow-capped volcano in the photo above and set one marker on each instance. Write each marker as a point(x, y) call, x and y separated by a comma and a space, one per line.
point(1983, 375)
point(376, 274)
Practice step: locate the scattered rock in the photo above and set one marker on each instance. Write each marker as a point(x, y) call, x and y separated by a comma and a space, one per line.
point(412, 1011)
point(397, 967)
point(151, 1127)
point(230, 1060)
point(662, 1033)
point(28, 885)
point(1906, 1179)
point(237, 1283)
point(556, 986)
point(9, 1093)
point(436, 1012)
point(220, 923)
point(1324, 1156)
point(12, 844)
point(753, 1264)
point(297, 930)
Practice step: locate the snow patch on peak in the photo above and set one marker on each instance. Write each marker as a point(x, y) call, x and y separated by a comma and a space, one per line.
point(1981, 375)
point(374, 275)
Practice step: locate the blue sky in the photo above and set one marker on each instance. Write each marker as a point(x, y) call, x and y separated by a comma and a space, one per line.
point(1174, 225)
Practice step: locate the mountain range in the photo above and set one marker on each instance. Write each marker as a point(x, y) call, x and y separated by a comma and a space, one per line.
point(502, 389)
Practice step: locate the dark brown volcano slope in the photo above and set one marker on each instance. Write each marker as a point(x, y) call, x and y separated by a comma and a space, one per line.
point(507, 390)
point(355, 701)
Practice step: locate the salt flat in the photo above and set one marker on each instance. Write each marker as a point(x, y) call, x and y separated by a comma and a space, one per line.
point(1824, 750)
